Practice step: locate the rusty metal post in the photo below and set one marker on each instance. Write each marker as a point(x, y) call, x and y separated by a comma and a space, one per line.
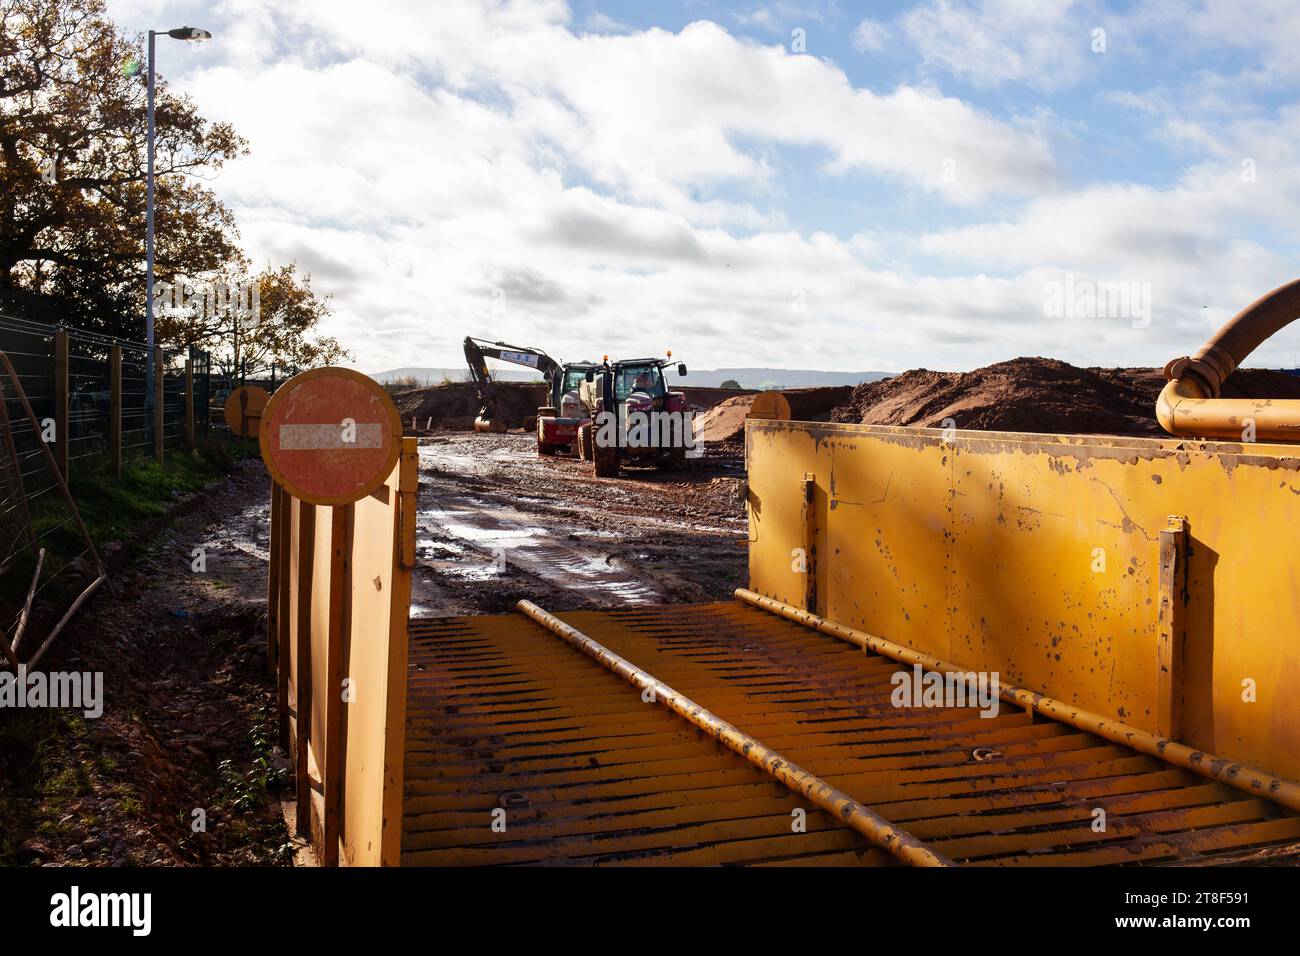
point(1170, 627)
point(61, 400)
point(332, 752)
point(306, 547)
point(115, 409)
point(282, 616)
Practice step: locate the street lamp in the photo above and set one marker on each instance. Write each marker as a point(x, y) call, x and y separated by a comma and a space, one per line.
point(180, 33)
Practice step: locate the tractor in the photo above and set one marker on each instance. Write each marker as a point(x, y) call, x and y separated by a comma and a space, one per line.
point(558, 422)
point(634, 417)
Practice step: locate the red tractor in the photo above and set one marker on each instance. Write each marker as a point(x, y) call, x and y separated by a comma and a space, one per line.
point(634, 417)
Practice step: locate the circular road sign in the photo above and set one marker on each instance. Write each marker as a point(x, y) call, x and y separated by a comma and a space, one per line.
point(244, 407)
point(770, 405)
point(330, 436)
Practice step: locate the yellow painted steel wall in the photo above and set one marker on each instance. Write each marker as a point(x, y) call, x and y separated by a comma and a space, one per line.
point(375, 659)
point(1037, 556)
point(350, 584)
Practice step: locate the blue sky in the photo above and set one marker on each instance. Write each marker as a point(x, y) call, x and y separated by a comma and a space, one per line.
point(840, 185)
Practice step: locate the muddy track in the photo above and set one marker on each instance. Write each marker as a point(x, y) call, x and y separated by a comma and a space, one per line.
point(498, 523)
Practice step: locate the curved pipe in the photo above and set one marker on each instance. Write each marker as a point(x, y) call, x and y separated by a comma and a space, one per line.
point(1190, 404)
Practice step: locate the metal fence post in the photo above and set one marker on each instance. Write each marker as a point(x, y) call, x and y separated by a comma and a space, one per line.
point(158, 416)
point(61, 435)
point(189, 400)
point(115, 409)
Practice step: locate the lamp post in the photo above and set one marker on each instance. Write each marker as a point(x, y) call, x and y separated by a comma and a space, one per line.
point(180, 33)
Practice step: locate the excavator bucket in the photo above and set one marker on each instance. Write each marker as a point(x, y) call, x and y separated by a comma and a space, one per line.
point(487, 421)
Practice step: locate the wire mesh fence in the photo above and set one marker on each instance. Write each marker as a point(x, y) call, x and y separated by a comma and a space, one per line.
point(68, 374)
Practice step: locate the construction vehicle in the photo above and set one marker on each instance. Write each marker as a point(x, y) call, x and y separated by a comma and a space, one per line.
point(477, 352)
point(557, 423)
point(634, 417)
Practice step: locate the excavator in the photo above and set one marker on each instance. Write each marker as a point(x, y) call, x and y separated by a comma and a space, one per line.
point(558, 421)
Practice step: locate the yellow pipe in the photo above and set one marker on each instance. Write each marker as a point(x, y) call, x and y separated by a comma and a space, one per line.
point(838, 804)
point(1248, 779)
point(1190, 404)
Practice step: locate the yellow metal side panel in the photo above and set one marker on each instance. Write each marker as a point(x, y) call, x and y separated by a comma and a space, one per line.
point(889, 527)
point(376, 661)
point(366, 665)
point(1052, 581)
point(775, 507)
point(1037, 556)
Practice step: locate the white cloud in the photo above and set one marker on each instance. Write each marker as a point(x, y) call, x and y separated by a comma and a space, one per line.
point(1041, 43)
point(500, 169)
point(870, 35)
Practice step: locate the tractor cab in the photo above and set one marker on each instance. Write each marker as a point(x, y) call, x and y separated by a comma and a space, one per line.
point(569, 379)
point(640, 375)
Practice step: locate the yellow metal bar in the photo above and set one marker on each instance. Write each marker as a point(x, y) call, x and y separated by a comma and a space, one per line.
point(1170, 628)
point(1247, 779)
point(838, 804)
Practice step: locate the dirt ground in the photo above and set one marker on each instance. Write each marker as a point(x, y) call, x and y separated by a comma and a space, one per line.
point(181, 768)
point(498, 523)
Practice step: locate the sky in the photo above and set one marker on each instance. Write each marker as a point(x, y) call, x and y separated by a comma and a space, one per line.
point(840, 186)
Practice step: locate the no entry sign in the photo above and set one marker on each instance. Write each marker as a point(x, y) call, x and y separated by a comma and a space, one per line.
point(330, 436)
point(244, 407)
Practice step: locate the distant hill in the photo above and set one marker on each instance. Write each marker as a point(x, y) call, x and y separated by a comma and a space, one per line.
point(759, 378)
point(765, 378)
point(424, 375)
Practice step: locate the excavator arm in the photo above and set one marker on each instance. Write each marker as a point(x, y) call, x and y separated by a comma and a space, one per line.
point(478, 351)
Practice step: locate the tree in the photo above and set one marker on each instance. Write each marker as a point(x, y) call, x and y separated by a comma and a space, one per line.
point(731, 383)
point(72, 167)
point(285, 331)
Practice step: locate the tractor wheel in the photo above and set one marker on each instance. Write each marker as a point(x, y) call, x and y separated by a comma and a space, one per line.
point(674, 460)
point(605, 461)
point(583, 447)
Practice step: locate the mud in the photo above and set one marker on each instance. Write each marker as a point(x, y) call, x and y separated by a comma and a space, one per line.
point(497, 523)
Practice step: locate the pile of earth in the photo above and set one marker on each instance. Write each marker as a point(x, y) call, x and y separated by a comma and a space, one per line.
point(454, 406)
point(1036, 395)
point(725, 421)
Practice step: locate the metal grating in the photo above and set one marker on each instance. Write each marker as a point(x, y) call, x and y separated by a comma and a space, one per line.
point(502, 714)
